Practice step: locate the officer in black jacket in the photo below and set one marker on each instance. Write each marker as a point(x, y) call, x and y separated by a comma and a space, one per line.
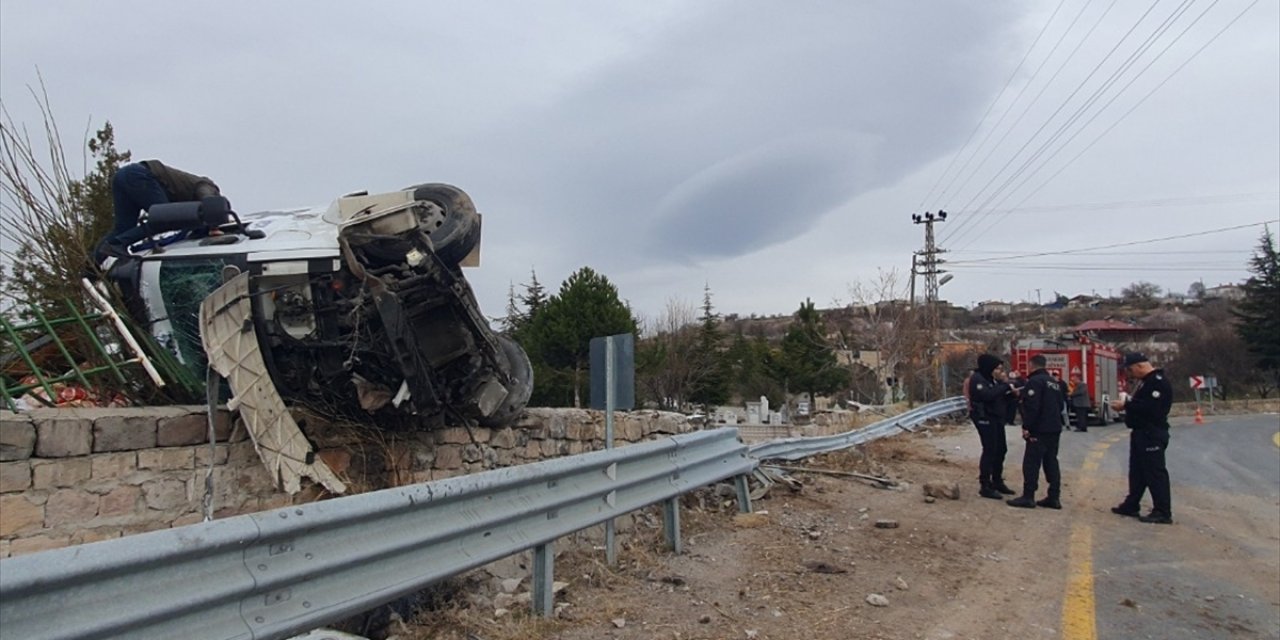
point(987, 392)
point(1146, 412)
point(1043, 400)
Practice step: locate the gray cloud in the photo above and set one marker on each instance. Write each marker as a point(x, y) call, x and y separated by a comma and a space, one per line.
point(666, 144)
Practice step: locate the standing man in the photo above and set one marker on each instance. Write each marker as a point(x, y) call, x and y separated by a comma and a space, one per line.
point(1043, 400)
point(1014, 408)
point(1080, 403)
point(138, 187)
point(1146, 413)
point(988, 394)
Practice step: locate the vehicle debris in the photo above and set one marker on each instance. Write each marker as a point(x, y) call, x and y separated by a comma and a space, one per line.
point(358, 307)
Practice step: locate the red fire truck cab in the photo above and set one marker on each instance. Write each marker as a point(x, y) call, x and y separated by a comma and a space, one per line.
point(1097, 365)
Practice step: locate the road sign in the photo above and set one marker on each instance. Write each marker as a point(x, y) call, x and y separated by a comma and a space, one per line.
point(1197, 382)
point(616, 353)
point(1210, 382)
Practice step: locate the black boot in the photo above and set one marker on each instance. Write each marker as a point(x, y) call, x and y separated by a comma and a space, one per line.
point(1023, 502)
point(1157, 517)
point(1125, 510)
point(988, 492)
point(1000, 486)
point(1050, 502)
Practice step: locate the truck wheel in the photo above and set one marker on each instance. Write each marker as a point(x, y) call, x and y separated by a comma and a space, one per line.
point(458, 233)
point(521, 371)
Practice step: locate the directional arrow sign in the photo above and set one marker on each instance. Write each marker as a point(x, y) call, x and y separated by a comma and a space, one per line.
point(1197, 382)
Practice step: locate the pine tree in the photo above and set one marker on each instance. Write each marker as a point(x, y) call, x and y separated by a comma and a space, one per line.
point(521, 309)
point(808, 363)
point(711, 386)
point(559, 333)
point(1258, 321)
point(535, 295)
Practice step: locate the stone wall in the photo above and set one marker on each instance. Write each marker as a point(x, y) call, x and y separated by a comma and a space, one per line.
point(71, 476)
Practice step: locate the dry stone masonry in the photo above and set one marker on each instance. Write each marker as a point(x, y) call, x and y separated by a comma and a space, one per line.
point(72, 476)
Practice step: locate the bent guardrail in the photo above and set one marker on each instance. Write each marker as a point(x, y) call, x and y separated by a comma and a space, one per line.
point(803, 447)
point(281, 572)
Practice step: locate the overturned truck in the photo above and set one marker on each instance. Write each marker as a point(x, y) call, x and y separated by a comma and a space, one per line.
point(359, 306)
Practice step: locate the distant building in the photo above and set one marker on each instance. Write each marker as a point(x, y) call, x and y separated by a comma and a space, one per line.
point(1082, 302)
point(993, 308)
point(1225, 292)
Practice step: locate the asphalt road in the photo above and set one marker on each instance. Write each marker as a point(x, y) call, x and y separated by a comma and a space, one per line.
point(1215, 573)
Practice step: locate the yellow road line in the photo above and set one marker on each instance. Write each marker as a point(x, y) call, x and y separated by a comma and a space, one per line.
point(1079, 611)
point(1276, 439)
point(1079, 620)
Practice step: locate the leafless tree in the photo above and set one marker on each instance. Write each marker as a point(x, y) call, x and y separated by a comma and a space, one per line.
point(667, 357)
point(50, 219)
point(887, 324)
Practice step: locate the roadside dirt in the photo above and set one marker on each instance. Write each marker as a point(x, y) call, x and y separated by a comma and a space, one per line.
point(806, 563)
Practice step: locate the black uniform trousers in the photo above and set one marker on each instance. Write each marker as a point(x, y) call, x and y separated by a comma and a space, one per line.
point(1147, 470)
point(994, 448)
point(1082, 417)
point(1042, 450)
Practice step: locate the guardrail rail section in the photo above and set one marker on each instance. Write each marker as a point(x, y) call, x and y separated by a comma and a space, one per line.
point(281, 572)
point(802, 447)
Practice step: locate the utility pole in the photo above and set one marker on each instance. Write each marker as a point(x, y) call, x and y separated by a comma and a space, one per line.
point(928, 266)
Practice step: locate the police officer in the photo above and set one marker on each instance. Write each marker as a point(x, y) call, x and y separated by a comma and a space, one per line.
point(988, 394)
point(1043, 400)
point(1146, 412)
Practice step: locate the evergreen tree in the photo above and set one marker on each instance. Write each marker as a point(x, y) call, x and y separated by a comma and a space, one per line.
point(521, 309)
point(808, 363)
point(1258, 318)
point(711, 387)
point(750, 363)
point(559, 334)
point(535, 295)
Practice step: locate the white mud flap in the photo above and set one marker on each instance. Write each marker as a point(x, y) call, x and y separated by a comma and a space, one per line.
point(226, 329)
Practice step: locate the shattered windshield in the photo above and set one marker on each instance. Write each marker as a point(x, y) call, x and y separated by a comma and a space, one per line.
point(184, 284)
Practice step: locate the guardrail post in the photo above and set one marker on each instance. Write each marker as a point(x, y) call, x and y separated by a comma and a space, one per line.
point(744, 494)
point(671, 524)
point(544, 570)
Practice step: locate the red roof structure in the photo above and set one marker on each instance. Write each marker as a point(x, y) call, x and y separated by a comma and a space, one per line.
point(1116, 331)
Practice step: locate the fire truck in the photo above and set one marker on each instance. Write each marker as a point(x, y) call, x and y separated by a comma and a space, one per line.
point(1096, 363)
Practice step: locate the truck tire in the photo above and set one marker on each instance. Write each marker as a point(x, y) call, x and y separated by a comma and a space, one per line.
point(458, 233)
point(521, 371)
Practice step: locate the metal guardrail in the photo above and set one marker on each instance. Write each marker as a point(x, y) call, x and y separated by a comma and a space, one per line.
point(281, 572)
point(803, 447)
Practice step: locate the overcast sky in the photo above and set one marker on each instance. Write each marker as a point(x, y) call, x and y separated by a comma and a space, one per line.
point(773, 151)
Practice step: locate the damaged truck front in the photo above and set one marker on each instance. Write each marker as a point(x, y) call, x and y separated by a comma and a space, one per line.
point(360, 306)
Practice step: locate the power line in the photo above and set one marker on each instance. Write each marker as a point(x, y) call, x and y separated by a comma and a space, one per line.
point(1112, 246)
point(1004, 188)
point(1136, 105)
point(1087, 269)
point(1095, 115)
point(1007, 83)
point(1181, 266)
point(1030, 104)
point(1007, 254)
point(1186, 201)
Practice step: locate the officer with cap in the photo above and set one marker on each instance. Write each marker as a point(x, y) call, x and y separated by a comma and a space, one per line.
point(1043, 399)
point(1146, 413)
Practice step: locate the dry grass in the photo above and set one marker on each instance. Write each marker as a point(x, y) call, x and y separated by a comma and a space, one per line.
point(456, 615)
